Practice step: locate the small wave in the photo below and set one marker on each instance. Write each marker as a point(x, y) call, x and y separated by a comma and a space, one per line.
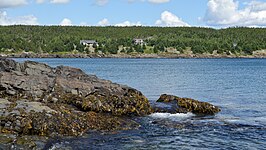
point(249, 121)
point(60, 145)
point(177, 116)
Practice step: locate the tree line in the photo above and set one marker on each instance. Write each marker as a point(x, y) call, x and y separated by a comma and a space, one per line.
point(56, 39)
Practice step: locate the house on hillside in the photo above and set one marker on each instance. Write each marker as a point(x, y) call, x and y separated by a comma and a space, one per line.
point(88, 42)
point(138, 41)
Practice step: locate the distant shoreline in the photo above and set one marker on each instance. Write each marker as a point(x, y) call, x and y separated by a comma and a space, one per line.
point(173, 56)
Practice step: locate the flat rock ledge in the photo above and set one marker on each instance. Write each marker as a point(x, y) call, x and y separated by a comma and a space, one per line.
point(174, 104)
point(36, 99)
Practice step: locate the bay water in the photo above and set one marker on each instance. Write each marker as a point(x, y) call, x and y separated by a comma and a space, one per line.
point(237, 86)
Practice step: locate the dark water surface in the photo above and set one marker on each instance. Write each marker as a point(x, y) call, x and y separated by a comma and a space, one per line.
point(238, 86)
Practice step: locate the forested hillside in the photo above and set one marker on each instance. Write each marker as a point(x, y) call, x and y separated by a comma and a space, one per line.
point(56, 39)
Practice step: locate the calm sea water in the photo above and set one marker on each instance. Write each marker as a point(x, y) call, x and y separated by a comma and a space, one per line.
point(238, 86)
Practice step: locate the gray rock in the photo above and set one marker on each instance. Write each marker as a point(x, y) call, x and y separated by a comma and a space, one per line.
point(75, 92)
point(32, 106)
point(63, 100)
point(54, 100)
point(4, 103)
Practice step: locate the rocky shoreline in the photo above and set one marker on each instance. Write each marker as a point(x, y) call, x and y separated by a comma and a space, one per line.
point(38, 100)
point(185, 105)
point(163, 55)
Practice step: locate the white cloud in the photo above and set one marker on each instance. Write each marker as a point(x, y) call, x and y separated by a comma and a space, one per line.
point(170, 20)
point(22, 20)
point(228, 13)
point(27, 20)
point(256, 6)
point(221, 12)
point(15, 3)
point(59, 1)
point(101, 2)
point(128, 23)
point(158, 1)
point(103, 22)
point(66, 22)
point(53, 1)
point(40, 1)
point(12, 3)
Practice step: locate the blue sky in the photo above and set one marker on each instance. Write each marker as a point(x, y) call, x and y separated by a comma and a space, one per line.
point(211, 13)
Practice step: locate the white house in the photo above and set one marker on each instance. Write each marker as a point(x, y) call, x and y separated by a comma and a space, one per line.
point(88, 42)
point(138, 41)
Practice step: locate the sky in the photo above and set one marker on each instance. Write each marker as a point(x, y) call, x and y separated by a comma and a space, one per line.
point(170, 13)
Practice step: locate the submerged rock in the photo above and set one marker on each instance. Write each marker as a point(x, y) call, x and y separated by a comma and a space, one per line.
point(183, 105)
point(36, 99)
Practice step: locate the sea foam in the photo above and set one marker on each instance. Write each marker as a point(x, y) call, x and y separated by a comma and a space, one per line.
point(177, 116)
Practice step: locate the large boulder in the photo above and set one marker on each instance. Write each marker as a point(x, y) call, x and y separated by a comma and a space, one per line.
point(176, 104)
point(38, 99)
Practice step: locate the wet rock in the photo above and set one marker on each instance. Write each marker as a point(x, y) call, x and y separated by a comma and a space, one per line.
point(184, 105)
point(8, 141)
point(4, 139)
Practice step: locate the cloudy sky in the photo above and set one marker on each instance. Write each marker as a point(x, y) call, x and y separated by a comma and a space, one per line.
point(210, 13)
